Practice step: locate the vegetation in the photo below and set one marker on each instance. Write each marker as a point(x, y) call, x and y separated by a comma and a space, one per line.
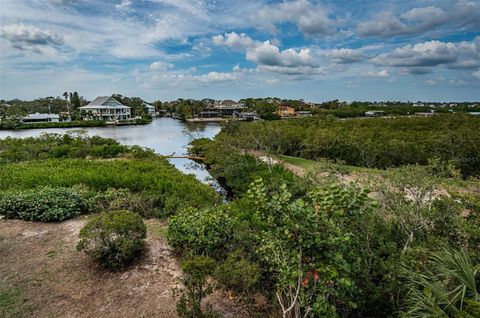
point(12, 124)
point(43, 204)
point(113, 239)
point(398, 244)
point(447, 289)
point(374, 143)
point(137, 179)
point(195, 287)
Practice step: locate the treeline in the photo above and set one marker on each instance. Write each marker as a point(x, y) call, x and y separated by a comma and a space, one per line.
point(375, 142)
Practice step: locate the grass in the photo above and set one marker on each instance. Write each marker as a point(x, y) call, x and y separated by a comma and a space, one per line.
point(12, 302)
point(324, 165)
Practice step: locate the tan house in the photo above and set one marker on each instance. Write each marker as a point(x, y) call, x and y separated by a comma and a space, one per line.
point(286, 111)
point(106, 108)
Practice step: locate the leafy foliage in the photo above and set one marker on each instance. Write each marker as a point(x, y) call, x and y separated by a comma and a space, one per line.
point(196, 272)
point(200, 231)
point(448, 288)
point(45, 204)
point(113, 239)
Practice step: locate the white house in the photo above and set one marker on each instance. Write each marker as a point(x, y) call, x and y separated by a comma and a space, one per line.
point(150, 109)
point(106, 108)
point(41, 118)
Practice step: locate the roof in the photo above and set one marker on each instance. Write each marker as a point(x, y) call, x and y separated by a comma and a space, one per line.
point(105, 102)
point(229, 102)
point(41, 116)
point(148, 105)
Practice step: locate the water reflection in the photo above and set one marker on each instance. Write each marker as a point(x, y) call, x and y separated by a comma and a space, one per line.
point(165, 136)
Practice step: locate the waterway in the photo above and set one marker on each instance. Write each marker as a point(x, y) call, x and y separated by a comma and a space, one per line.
point(166, 136)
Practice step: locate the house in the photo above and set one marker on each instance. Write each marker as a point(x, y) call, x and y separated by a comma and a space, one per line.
point(150, 109)
point(225, 108)
point(286, 111)
point(418, 105)
point(424, 114)
point(303, 113)
point(40, 118)
point(106, 108)
point(374, 113)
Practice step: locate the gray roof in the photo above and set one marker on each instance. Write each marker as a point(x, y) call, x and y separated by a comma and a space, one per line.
point(105, 102)
point(41, 116)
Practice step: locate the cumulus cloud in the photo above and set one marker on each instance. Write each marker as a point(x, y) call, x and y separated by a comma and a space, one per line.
point(268, 56)
point(419, 20)
point(476, 74)
point(23, 36)
point(382, 73)
point(160, 66)
point(345, 55)
point(422, 57)
point(311, 19)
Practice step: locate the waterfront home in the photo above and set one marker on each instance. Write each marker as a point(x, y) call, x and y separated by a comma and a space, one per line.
point(286, 111)
point(106, 108)
point(150, 109)
point(40, 118)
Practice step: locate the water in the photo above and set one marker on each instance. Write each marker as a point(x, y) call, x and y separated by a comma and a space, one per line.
point(166, 136)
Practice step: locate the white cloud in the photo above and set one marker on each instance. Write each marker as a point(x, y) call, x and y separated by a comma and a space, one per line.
point(31, 38)
point(476, 74)
point(422, 57)
point(269, 57)
point(382, 73)
point(311, 19)
point(345, 55)
point(160, 66)
point(420, 20)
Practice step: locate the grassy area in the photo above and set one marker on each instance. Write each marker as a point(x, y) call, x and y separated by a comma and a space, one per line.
point(12, 302)
point(324, 165)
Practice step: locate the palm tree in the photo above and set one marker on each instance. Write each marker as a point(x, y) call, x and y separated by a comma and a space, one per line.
point(447, 290)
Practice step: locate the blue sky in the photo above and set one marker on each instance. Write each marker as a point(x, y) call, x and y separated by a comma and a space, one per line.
point(315, 50)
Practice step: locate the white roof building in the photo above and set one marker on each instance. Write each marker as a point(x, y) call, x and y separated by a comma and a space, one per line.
point(106, 108)
point(150, 109)
point(41, 118)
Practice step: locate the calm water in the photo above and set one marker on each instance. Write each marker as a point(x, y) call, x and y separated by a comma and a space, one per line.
point(165, 136)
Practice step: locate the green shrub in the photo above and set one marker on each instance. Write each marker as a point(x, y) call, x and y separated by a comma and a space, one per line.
point(195, 287)
point(45, 204)
point(238, 274)
point(123, 199)
point(195, 232)
point(113, 239)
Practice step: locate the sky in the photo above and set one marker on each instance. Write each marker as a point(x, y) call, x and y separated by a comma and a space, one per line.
point(303, 49)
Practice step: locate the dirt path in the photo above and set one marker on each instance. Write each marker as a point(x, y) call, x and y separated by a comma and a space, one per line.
point(40, 259)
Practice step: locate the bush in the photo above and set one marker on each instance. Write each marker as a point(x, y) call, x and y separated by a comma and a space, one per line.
point(195, 287)
point(45, 204)
point(195, 232)
point(238, 274)
point(113, 239)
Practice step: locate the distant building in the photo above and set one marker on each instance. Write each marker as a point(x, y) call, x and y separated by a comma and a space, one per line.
point(41, 118)
point(228, 103)
point(375, 113)
point(424, 114)
point(474, 113)
point(150, 109)
point(106, 108)
point(286, 111)
point(303, 113)
point(418, 105)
